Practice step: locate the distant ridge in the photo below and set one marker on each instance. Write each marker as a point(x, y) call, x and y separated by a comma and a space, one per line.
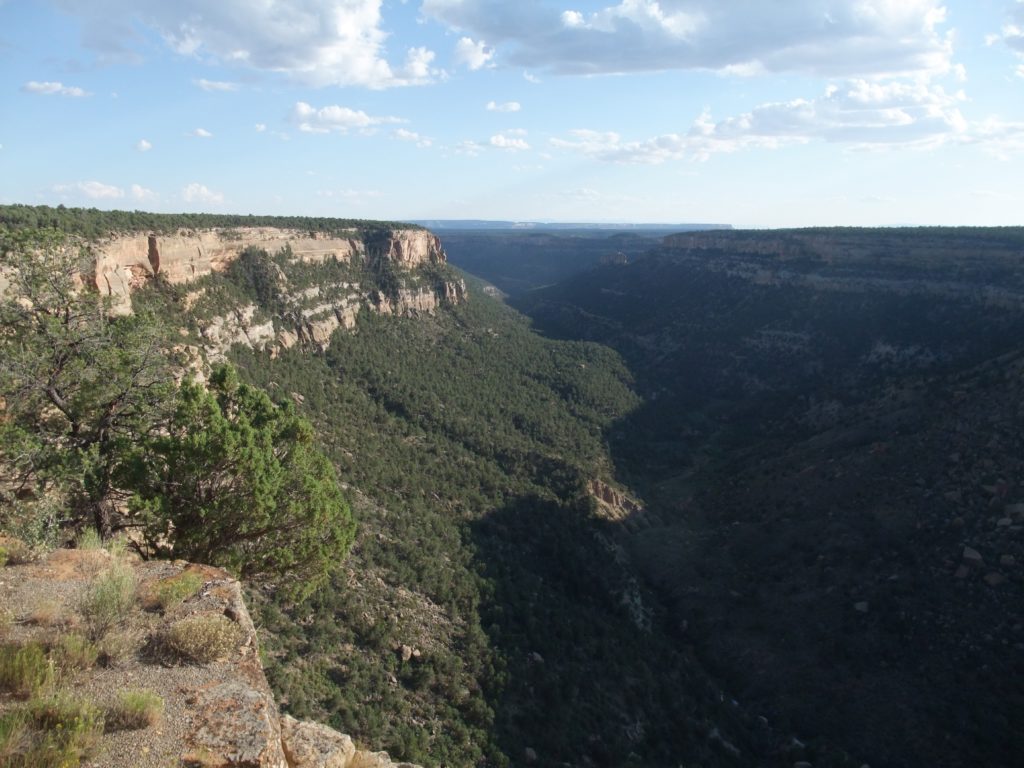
point(541, 226)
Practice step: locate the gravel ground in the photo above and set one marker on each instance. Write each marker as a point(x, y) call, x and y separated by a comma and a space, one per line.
point(44, 597)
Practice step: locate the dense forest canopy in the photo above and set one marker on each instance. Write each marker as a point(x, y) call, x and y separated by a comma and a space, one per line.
point(92, 222)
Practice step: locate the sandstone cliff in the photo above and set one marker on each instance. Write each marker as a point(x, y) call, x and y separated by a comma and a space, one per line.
point(216, 715)
point(125, 262)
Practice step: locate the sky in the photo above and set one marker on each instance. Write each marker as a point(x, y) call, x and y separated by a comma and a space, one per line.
point(756, 113)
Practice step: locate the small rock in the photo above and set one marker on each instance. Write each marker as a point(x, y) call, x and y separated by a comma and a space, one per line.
point(994, 579)
point(536, 658)
point(802, 764)
point(530, 755)
point(861, 607)
point(972, 556)
point(406, 652)
point(1004, 522)
point(961, 572)
point(1008, 560)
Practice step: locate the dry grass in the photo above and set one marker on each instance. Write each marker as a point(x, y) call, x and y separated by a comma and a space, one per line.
point(168, 593)
point(201, 639)
point(108, 600)
point(49, 613)
point(73, 653)
point(25, 671)
point(134, 710)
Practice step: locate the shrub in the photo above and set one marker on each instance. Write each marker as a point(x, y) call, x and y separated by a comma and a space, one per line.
point(89, 539)
point(202, 639)
point(134, 710)
point(114, 647)
point(73, 652)
point(68, 730)
point(14, 736)
point(6, 621)
point(24, 670)
point(47, 614)
point(3, 556)
point(19, 553)
point(177, 589)
point(108, 599)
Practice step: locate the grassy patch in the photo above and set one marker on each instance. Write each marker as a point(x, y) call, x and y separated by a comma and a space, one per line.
point(17, 552)
point(89, 539)
point(62, 732)
point(201, 639)
point(170, 592)
point(134, 710)
point(25, 671)
point(108, 600)
point(47, 614)
point(73, 652)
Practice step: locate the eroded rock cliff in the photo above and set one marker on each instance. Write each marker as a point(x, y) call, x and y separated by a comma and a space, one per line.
point(126, 262)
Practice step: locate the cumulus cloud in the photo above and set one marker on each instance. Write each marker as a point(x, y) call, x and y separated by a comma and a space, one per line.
point(143, 146)
point(261, 127)
point(94, 190)
point(216, 85)
point(201, 133)
point(200, 193)
point(473, 54)
point(141, 193)
point(468, 147)
point(411, 136)
point(316, 42)
point(1012, 33)
point(509, 141)
point(834, 38)
point(862, 114)
point(506, 106)
point(335, 119)
point(49, 88)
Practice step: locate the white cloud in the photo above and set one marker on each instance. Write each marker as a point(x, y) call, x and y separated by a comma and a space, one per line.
point(199, 193)
point(506, 106)
point(509, 141)
point(216, 85)
point(201, 133)
point(530, 78)
point(143, 146)
point(411, 136)
point(54, 89)
point(335, 119)
point(141, 193)
point(474, 55)
point(261, 127)
point(315, 42)
point(468, 147)
point(95, 190)
point(417, 69)
point(1012, 33)
point(863, 114)
point(833, 38)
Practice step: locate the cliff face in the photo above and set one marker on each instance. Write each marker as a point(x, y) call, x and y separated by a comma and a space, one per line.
point(126, 262)
point(219, 713)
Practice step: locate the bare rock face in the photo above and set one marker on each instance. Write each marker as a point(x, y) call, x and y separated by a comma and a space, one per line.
point(411, 248)
point(310, 745)
point(238, 725)
point(126, 262)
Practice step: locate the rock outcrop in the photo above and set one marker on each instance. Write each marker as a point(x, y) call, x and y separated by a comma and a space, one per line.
point(221, 713)
point(126, 262)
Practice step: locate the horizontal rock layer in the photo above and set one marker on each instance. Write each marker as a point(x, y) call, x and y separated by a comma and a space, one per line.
point(125, 262)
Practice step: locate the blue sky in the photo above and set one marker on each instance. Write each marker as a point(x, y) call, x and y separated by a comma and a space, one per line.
point(752, 112)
